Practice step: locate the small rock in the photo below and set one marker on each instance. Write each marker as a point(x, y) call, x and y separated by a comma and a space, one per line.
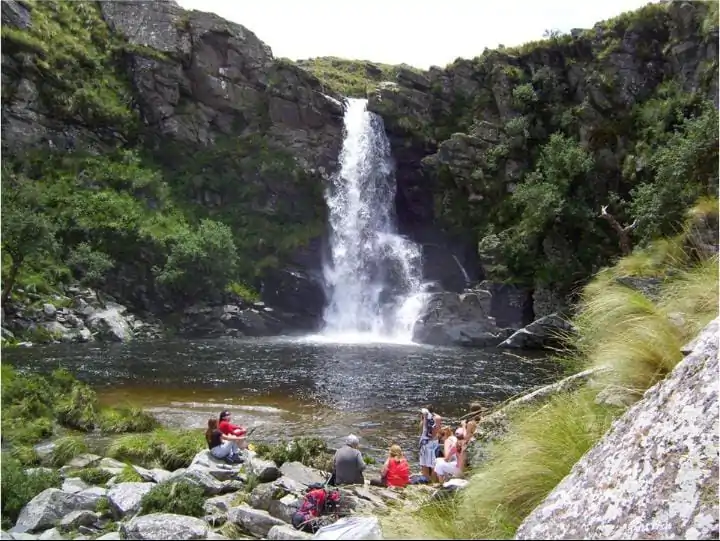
point(265, 470)
point(302, 474)
point(164, 526)
point(125, 498)
point(110, 536)
point(52, 533)
point(287, 532)
point(285, 507)
point(74, 520)
point(219, 503)
point(73, 485)
point(216, 536)
point(254, 521)
point(111, 463)
point(86, 460)
point(49, 309)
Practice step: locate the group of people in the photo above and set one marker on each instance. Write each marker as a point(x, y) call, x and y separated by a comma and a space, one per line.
point(442, 452)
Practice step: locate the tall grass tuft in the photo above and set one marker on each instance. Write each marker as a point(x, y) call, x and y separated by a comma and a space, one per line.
point(169, 449)
point(67, 448)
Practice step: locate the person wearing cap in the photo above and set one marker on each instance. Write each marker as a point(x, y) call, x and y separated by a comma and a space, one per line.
point(226, 427)
point(348, 464)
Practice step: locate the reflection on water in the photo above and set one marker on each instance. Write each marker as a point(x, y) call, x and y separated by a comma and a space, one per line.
point(289, 387)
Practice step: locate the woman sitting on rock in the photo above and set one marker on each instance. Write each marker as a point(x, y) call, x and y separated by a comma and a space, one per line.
point(395, 472)
point(223, 446)
point(447, 466)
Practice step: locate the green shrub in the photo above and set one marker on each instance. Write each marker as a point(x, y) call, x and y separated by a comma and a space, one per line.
point(18, 488)
point(103, 506)
point(77, 409)
point(182, 498)
point(310, 451)
point(162, 448)
point(126, 419)
point(67, 448)
point(25, 455)
point(129, 475)
point(94, 476)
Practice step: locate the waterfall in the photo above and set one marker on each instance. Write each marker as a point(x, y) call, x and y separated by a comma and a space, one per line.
point(374, 277)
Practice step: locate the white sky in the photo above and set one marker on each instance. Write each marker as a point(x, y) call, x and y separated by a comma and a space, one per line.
point(419, 33)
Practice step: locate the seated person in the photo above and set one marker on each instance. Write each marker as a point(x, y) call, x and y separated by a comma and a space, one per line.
point(348, 464)
point(447, 466)
point(396, 470)
point(226, 427)
point(221, 445)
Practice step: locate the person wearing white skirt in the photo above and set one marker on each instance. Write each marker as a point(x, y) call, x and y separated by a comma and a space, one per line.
point(447, 466)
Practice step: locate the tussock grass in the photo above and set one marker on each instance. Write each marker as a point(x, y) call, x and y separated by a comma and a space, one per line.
point(67, 448)
point(169, 449)
point(126, 419)
point(182, 498)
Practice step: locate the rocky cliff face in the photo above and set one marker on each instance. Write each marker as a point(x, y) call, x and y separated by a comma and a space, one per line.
point(520, 148)
point(239, 136)
point(655, 474)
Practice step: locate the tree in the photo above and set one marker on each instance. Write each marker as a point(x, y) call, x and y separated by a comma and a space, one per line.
point(26, 229)
point(92, 267)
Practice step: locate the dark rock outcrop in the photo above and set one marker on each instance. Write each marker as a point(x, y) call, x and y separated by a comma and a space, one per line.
point(546, 332)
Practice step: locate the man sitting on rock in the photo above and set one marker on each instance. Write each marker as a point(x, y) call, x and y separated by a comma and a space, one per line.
point(348, 464)
point(226, 427)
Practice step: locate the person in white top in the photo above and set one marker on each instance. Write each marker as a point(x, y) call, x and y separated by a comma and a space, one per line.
point(447, 466)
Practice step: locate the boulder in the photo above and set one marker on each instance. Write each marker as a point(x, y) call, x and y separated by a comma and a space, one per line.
point(124, 498)
point(254, 521)
point(52, 533)
point(654, 475)
point(110, 536)
point(219, 504)
point(75, 519)
point(285, 507)
point(154, 475)
point(164, 526)
point(93, 494)
point(287, 532)
point(85, 460)
point(110, 324)
point(262, 495)
point(45, 509)
point(546, 332)
point(22, 536)
point(210, 485)
point(73, 485)
point(302, 474)
point(351, 528)
point(219, 469)
point(265, 470)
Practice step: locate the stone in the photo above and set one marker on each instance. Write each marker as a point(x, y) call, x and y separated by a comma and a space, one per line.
point(254, 521)
point(49, 309)
point(546, 332)
point(164, 526)
point(124, 498)
point(219, 469)
point(654, 475)
point(302, 474)
point(262, 495)
point(45, 509)
point(285, 507)
point(110, 324)
point(110, 536)
point(287, 532)
point(219, 504)
point(52, 533)
point(154, 475)
point(86, 460)
point(265, 470)
point(75, 519)
point(210, 485)
point(111, 463)
point(20, 536)
point(73, 485)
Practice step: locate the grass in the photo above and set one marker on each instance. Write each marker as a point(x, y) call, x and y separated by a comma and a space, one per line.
point(126, 419)
point(182, 498)
point(18, 488)
point(67, 448)
point(129, 475)
point(638, 338)
point(94, 476)
point(169, 449)
point(310, 451)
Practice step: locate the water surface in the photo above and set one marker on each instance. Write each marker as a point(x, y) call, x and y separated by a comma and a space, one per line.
point(287, 387)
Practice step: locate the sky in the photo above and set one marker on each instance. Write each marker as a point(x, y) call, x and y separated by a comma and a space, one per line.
point(419, 33)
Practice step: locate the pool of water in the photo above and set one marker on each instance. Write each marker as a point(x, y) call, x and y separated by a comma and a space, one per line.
point(288, 387)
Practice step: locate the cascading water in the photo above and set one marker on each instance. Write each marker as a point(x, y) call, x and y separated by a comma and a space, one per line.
point(374, 279)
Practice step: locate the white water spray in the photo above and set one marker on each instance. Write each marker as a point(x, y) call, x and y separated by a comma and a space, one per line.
point(374, 278)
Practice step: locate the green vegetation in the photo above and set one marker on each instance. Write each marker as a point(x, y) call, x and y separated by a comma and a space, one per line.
point(161, 448)
point(33, 403)
point(129, 475)
point(18, 488)
point(351, 78)
point(637, 333)
point(94, 476)
point(182, 498)
point(310, 451)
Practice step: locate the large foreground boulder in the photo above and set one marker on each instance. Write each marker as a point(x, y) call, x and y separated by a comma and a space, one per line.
point(48, 507)
point(655, 473)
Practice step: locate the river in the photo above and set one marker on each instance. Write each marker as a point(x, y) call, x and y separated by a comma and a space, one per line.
point(289, 387)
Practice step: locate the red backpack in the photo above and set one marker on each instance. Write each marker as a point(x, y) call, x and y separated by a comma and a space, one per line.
point(317, 502)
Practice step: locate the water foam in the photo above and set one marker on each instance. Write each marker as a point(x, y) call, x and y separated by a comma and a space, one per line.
point(374, 276)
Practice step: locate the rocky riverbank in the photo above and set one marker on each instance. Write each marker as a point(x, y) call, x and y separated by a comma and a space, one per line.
point(255, 499)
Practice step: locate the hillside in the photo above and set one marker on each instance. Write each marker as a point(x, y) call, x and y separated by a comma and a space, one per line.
point(188, 164)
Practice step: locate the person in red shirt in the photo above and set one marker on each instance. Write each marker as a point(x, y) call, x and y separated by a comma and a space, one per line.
point(226, 427)
point(396, 470)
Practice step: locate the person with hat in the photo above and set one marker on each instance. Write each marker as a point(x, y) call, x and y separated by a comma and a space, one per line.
point(230, 429)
